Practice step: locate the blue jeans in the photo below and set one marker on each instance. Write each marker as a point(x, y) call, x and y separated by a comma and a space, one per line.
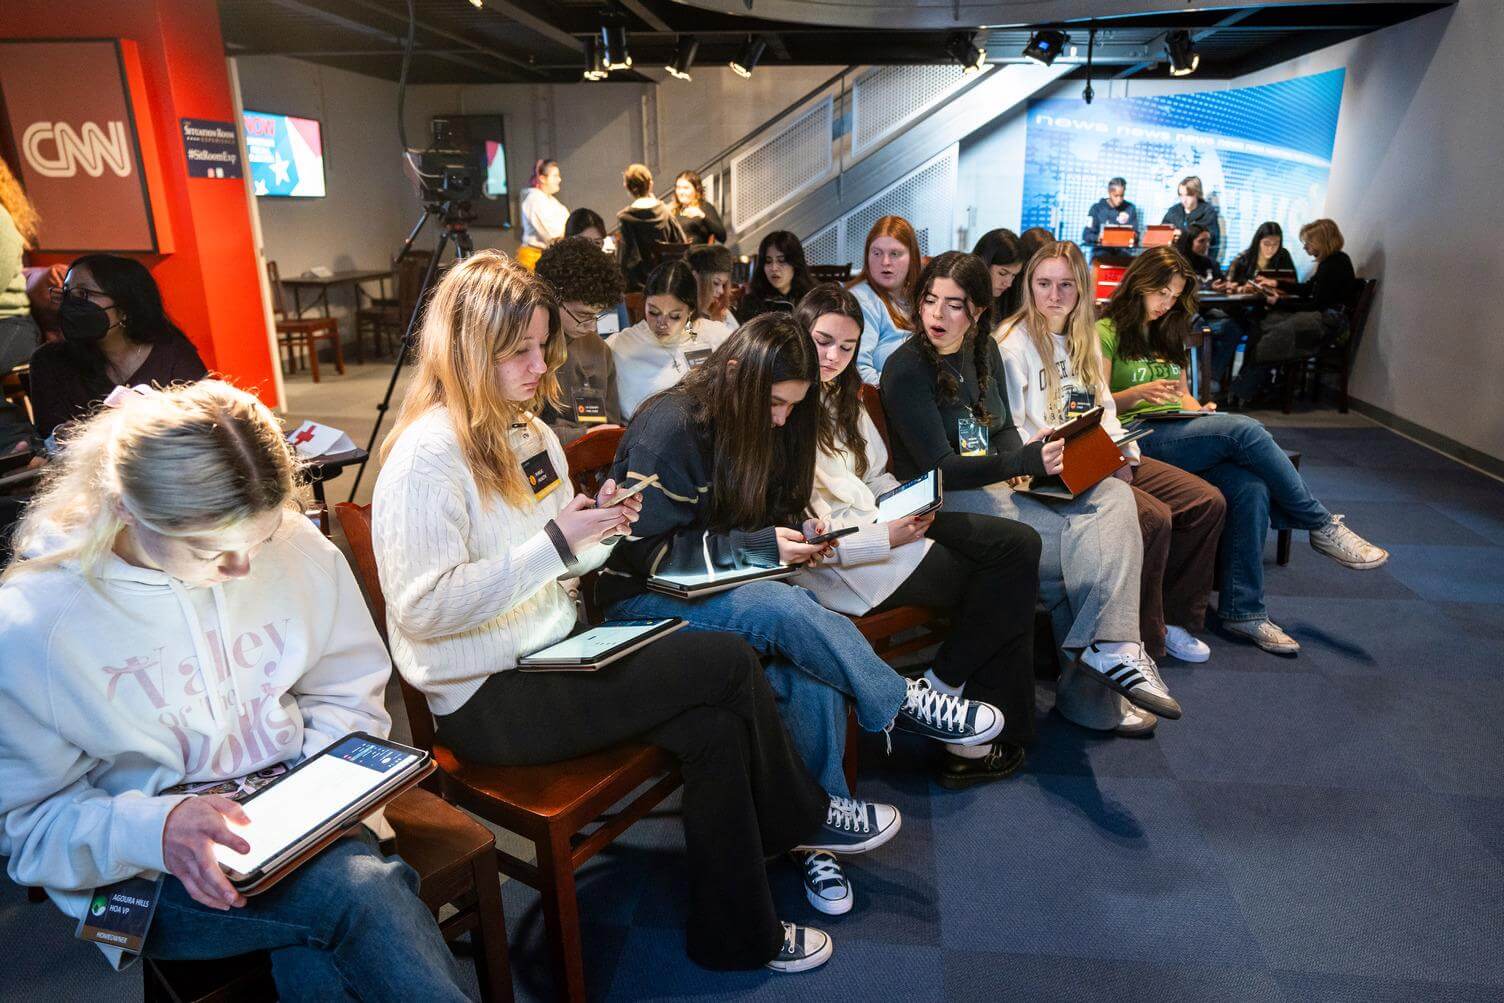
point(1241, 459)
point(347, 925)
point(819, 660)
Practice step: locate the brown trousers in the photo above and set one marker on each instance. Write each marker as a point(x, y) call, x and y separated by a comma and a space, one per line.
point(1181, 518)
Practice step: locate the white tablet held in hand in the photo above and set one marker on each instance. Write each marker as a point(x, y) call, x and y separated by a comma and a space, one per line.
point(915, 497)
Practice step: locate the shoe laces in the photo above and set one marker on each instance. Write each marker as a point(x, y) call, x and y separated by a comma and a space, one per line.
point(821, 867)
point(790, 938)
point(1340, 536)
point(1148, 669)
point(847, 815)
point(940, 710)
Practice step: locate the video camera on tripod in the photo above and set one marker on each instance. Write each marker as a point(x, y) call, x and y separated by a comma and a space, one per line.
point(446, 176)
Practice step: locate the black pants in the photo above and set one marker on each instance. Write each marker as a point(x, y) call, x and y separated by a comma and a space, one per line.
point(703, 698)
point(985, 570)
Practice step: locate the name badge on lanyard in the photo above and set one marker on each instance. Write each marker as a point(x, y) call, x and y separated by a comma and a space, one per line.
point(1078, 402)
point(541, 476)
point(972, 437)
point(589, 409)
point(119, 915)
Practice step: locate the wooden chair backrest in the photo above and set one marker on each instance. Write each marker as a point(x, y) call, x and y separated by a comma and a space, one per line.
point(831, 273)
point(873, 402)
point(1358, 317)
point(355, 520)
point(274, 279)
point(590, 458)
point(637, 307)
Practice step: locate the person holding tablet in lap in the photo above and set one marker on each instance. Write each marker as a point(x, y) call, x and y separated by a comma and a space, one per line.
point(733, 447)
point(947, 407)
point(474, 527)
point(1142, 332)
point(164, 629)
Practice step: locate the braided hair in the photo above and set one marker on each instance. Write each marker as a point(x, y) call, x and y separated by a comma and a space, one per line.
point(968, 272)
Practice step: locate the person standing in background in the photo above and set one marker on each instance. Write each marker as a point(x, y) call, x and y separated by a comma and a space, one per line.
point(644, 222)
point(698, 219)
point(543, 215)
point(19, 334)
point(1114, 210)
point(1193, 208)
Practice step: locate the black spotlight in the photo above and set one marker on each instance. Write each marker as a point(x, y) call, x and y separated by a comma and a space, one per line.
point(614, 47)
point(1044, 46)
point(963, 48)
point(744, 64)
point(1183, 55)
point(595, 66)
point(684, 57)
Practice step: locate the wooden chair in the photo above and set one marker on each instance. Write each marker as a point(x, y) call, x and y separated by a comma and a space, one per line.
point(303, 333)
point(831, 273)
point(1338, 359)
point(456, 864)
point(637, 307)
point(549, 805)
point(387, 320)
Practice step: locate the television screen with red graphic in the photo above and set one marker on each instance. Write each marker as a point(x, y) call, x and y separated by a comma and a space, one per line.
point(286, 154)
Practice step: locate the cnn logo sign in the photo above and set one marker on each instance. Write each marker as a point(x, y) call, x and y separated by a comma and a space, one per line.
point(57, 150)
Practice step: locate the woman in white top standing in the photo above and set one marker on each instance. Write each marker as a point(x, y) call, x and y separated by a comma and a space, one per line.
point(543, 215)
point(670, 340)
point(477, 536)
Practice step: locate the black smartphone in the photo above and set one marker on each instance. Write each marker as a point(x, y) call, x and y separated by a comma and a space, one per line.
point(832, 535)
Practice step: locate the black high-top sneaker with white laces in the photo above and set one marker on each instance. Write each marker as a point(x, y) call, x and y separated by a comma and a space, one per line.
point(1134, 675)
point(803, 948)
point(853, 826)
point(928, 712)
point(825, 883)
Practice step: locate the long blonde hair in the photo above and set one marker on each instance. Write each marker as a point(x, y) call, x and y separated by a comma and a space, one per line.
point(194, 459)
point(477, 316)
point(14, 201)
point(1082, 347)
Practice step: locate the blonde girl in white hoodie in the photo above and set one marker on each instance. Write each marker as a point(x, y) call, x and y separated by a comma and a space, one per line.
point(171, 619)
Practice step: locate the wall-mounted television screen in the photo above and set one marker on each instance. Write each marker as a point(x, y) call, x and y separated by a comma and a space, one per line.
point(486, 134)
point(286, 154)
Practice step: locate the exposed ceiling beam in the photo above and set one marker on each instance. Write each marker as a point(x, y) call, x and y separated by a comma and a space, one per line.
point(450, 36)
point(780, 50)
point(535, 24)
point(646, 15)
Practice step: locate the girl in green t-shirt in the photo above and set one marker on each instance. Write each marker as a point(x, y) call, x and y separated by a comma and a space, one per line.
point(1143, 332)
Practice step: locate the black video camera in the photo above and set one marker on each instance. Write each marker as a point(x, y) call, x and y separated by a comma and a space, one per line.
point(444, 173)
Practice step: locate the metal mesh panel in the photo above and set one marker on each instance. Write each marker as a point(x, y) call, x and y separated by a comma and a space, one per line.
point(787, 164)
point(824, 248)
point(890, 96)
point(925, 197)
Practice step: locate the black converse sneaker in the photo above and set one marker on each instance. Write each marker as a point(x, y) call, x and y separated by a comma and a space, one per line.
point(1135, 676)
point(825, 884)
point(928, 712)
point(853, 826)
point(803, 948)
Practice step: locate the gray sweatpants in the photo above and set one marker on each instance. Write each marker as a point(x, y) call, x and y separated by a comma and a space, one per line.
point(1089, 572)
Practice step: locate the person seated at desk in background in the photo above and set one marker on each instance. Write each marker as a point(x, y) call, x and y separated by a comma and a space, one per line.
point(1194, 244)
point(1266, 252)
point(644, 222)
point(587, 283)
point(1114, 210)
point(780, 277)
point(1193, 208)
point(116, 332)
point(543, 216)
point(698, 218)
point(1232, 322)
point(712, 264)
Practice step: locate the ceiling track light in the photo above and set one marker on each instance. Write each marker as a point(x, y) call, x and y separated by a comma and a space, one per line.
point(1044, 46)
point(1183, 55)
point(744, 64)
point(614, 47)
point(962, 47)
point(595, 66)
point(477, 3)
point(684, 57)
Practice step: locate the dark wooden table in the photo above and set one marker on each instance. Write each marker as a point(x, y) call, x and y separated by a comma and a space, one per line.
point(321, 284)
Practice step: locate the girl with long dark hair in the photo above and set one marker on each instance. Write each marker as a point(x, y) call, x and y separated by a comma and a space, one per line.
point(116, 332)
point(780, 277)
point(1142, 334)
point(948, 406)
point(1266, 251)
point(672, 338)
point(733, 446)
point(1003, 254)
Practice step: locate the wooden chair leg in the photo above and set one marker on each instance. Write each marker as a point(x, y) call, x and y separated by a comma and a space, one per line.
point(312, 345)
point(339, 350)
point(1282, 538)
point(360, 342)
point(493, 968)
point(561, 916)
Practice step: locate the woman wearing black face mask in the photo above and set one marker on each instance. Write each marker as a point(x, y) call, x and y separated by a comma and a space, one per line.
point(115, 333)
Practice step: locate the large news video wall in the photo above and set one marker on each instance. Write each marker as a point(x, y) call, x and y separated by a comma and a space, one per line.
point(1261, 152)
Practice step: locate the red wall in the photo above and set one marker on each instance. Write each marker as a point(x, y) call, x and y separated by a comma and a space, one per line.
point(209, 282)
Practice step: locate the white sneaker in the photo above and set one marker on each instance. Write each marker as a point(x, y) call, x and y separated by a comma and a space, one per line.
point(1265, 633)
point(1345, 547)
point(803, 948)
point(1133, 675)
point(1182, 644)
point(825, 883)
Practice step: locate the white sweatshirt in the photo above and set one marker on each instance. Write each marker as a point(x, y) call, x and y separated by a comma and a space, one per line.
point(115, 690)
point(1028, 389)
point(471, 585)
point(646, 364)
point(867, 570)
point(543, 218)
